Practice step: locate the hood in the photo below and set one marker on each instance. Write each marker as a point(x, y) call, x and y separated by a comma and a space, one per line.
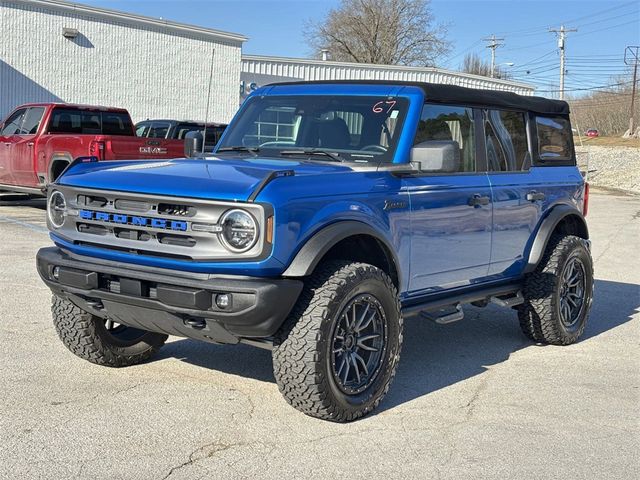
point(232, 179)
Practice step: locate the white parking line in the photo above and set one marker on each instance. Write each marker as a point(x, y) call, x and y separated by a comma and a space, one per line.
point(31, 226)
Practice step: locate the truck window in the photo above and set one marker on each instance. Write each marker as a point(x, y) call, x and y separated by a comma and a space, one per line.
point(32, 121)
point(158, 130)
point(142, 129)
point(116, 123)
point(13, 123)
point(506, 141)
point(554, 138)
point(449, 124)
point(69, 120)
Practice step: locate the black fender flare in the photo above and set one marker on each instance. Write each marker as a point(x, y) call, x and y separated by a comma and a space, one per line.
point(308, 257)
point(546, 229)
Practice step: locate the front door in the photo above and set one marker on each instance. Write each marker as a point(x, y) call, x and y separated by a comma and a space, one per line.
point(23, 157)
point(450, 210)
point(8, 137)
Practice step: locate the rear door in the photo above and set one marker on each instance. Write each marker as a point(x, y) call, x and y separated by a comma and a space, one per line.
point(10, 129)
point(517, 196)
point(450, 211)
point(23, 155)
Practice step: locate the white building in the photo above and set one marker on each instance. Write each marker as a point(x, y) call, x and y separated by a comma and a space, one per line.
point(54, 50)
point(258, 71)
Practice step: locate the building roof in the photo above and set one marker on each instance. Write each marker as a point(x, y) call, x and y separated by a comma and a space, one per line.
point(181, 28)
point(380, 67)
point(454, 94)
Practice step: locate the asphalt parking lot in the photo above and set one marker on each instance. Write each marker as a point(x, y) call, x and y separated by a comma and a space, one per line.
point(473, 399)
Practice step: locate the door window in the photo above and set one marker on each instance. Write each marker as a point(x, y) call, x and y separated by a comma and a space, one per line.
point(68, 120)
point(32, 121)
point(13, 124)
point(506, 141)
point(446, 123)
point(142, 129)
point(158, 130)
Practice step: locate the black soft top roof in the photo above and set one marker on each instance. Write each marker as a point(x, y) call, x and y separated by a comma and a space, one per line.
point(441, 93)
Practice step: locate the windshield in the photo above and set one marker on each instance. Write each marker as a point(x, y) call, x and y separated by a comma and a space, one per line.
point(340, 127)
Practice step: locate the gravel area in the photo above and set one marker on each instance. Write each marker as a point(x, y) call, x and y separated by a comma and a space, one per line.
point(611, 167)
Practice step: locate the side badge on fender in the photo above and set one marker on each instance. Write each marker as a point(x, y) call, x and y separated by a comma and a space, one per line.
point(390, 205)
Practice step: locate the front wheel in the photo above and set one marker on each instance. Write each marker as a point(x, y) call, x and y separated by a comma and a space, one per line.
point(102, 341)
point(337, 353)
point(559, 293)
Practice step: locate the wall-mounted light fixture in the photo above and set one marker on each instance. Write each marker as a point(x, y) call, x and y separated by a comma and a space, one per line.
point(69, 32)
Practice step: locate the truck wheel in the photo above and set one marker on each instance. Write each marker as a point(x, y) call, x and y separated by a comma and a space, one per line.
point(558, 294)
point(101, 341)
point(336, 354)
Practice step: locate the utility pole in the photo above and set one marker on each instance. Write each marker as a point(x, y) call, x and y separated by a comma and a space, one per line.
point(562, 35)
point(631, 55)
point(493, 44)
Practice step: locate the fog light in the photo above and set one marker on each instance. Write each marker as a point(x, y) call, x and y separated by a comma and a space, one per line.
point(223, 300)
point(56, 272)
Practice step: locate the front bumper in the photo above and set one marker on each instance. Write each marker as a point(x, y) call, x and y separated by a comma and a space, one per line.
point(164, 301)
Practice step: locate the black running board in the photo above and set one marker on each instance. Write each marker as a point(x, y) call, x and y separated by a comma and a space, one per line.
point(438, 301)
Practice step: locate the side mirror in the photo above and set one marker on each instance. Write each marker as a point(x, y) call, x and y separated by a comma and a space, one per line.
point(438, 156)
point(193, 143)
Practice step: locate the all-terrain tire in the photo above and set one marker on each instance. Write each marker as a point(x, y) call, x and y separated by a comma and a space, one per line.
point(302, 355)
point(540, 317)
point(86, 336)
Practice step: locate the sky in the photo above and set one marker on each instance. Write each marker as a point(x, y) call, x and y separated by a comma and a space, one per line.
point(594, 53)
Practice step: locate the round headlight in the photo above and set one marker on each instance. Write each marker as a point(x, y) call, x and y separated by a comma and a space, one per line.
point(56, 209)
point(239, 230)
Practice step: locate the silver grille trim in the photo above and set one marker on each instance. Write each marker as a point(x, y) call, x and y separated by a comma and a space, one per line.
point(135, 238)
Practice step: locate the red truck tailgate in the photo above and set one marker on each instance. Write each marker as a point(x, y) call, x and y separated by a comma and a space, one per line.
point(130, 148)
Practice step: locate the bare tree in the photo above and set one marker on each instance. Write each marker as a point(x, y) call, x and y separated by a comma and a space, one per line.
point(472, 63)
point(393, 32)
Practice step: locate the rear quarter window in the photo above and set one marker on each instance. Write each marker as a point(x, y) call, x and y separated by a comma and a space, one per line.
point(554, 139)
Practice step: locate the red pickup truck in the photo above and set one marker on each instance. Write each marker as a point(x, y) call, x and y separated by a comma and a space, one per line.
point(38, 141)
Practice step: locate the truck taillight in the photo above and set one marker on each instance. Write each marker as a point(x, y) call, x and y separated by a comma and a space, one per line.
point(585, 203)
point(96, 149)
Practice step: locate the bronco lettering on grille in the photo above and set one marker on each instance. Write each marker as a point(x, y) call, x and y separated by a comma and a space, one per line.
point(134, 220)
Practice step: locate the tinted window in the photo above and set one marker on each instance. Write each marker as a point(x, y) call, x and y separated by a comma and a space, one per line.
point(116, 123)
point(32, 120)
point(554, 138)
point(13, 123)
point(142, 129)
point(158, 130)
point(213, 135)
point(506, 141)
point(444, 123)
point(357, 128)
point(67, 120)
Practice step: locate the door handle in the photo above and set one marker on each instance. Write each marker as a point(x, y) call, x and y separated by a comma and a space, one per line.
point(534, 196)
point(8, 144)
point(478, 200)
point(30, 144)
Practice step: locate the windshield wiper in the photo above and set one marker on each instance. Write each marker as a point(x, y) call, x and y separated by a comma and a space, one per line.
point(313, 151)
point(238, 148)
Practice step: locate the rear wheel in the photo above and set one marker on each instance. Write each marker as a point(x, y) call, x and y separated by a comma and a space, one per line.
point(101, 341)
point(337, 353)
point(559, 293)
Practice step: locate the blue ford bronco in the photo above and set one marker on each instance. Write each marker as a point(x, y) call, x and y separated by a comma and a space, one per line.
point(328, 213)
